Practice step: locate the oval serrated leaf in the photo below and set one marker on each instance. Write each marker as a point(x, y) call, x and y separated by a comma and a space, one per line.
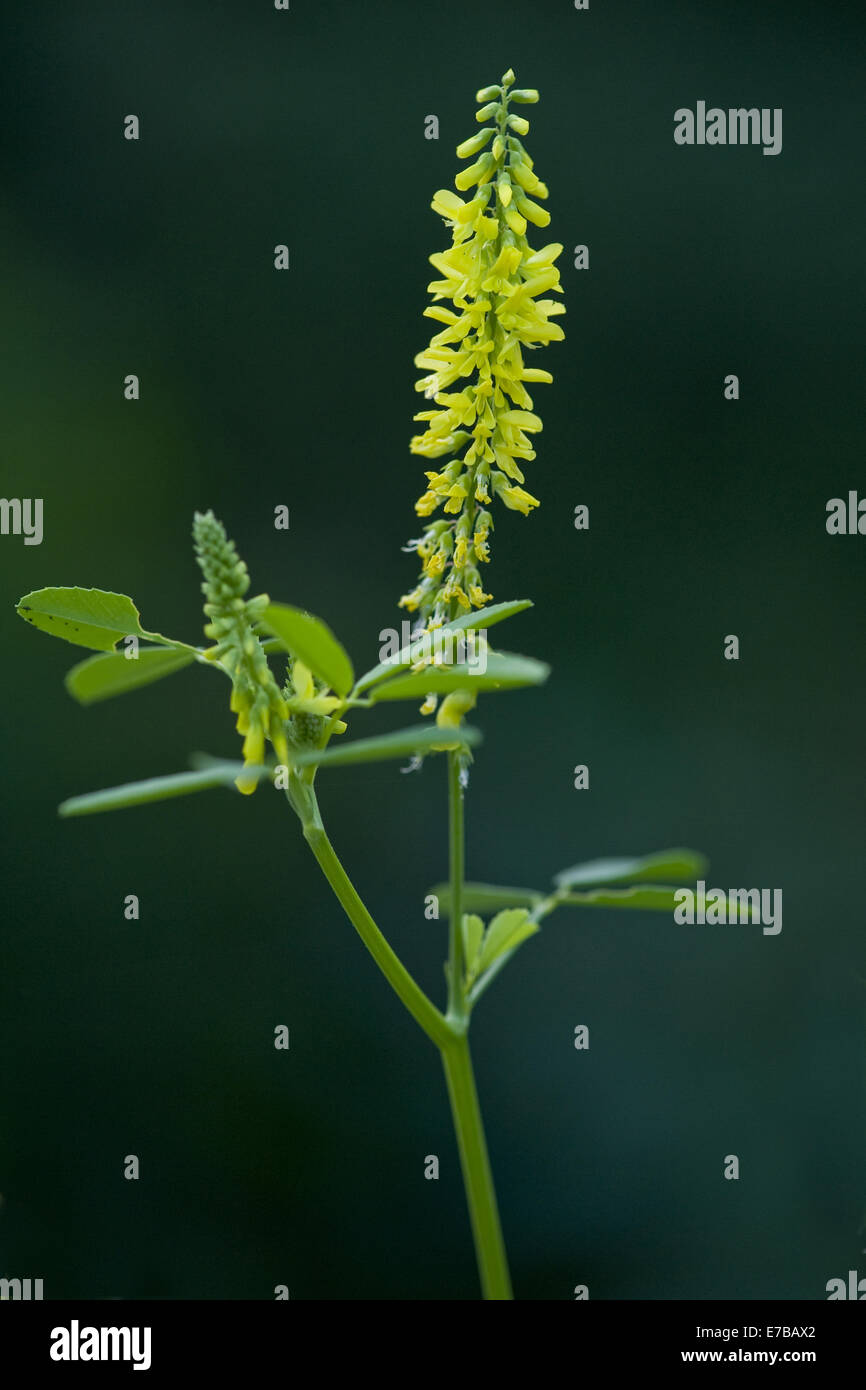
point(313, 643)
point(113, 673)
point(481, 619)
point(505, 933)
point(503, 671)
point(92, 618)
point(681, 865)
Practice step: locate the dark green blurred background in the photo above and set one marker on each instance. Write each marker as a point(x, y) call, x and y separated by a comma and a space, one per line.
point(707, 518)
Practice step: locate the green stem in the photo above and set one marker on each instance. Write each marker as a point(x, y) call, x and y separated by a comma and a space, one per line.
point(447, 1032)
point(422, 1009)
point(457, 1012)
point(477, 1176)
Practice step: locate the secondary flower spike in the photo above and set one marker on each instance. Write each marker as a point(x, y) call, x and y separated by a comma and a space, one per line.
point(255, 698)
point(480, 431)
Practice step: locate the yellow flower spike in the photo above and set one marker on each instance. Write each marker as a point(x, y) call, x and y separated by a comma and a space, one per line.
point(489, 284)
point(429, 704)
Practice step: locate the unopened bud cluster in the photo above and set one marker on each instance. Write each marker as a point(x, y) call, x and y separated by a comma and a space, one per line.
point(255, 699)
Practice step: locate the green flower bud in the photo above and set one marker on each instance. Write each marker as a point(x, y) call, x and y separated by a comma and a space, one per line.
point(474, 143)
point(474, 173)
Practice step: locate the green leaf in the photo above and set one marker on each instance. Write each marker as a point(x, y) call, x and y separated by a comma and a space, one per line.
point(488, 897)
point(504, 671)
point(88, 617)
point(652, 896)
point(313, 643)
point(113, 673)
point(473, 932)
point(92, 618)
point(154, 789)
point(506, 932)
point(681, 865)
point(645, 896)
point(482, 618)
point(423, 738)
